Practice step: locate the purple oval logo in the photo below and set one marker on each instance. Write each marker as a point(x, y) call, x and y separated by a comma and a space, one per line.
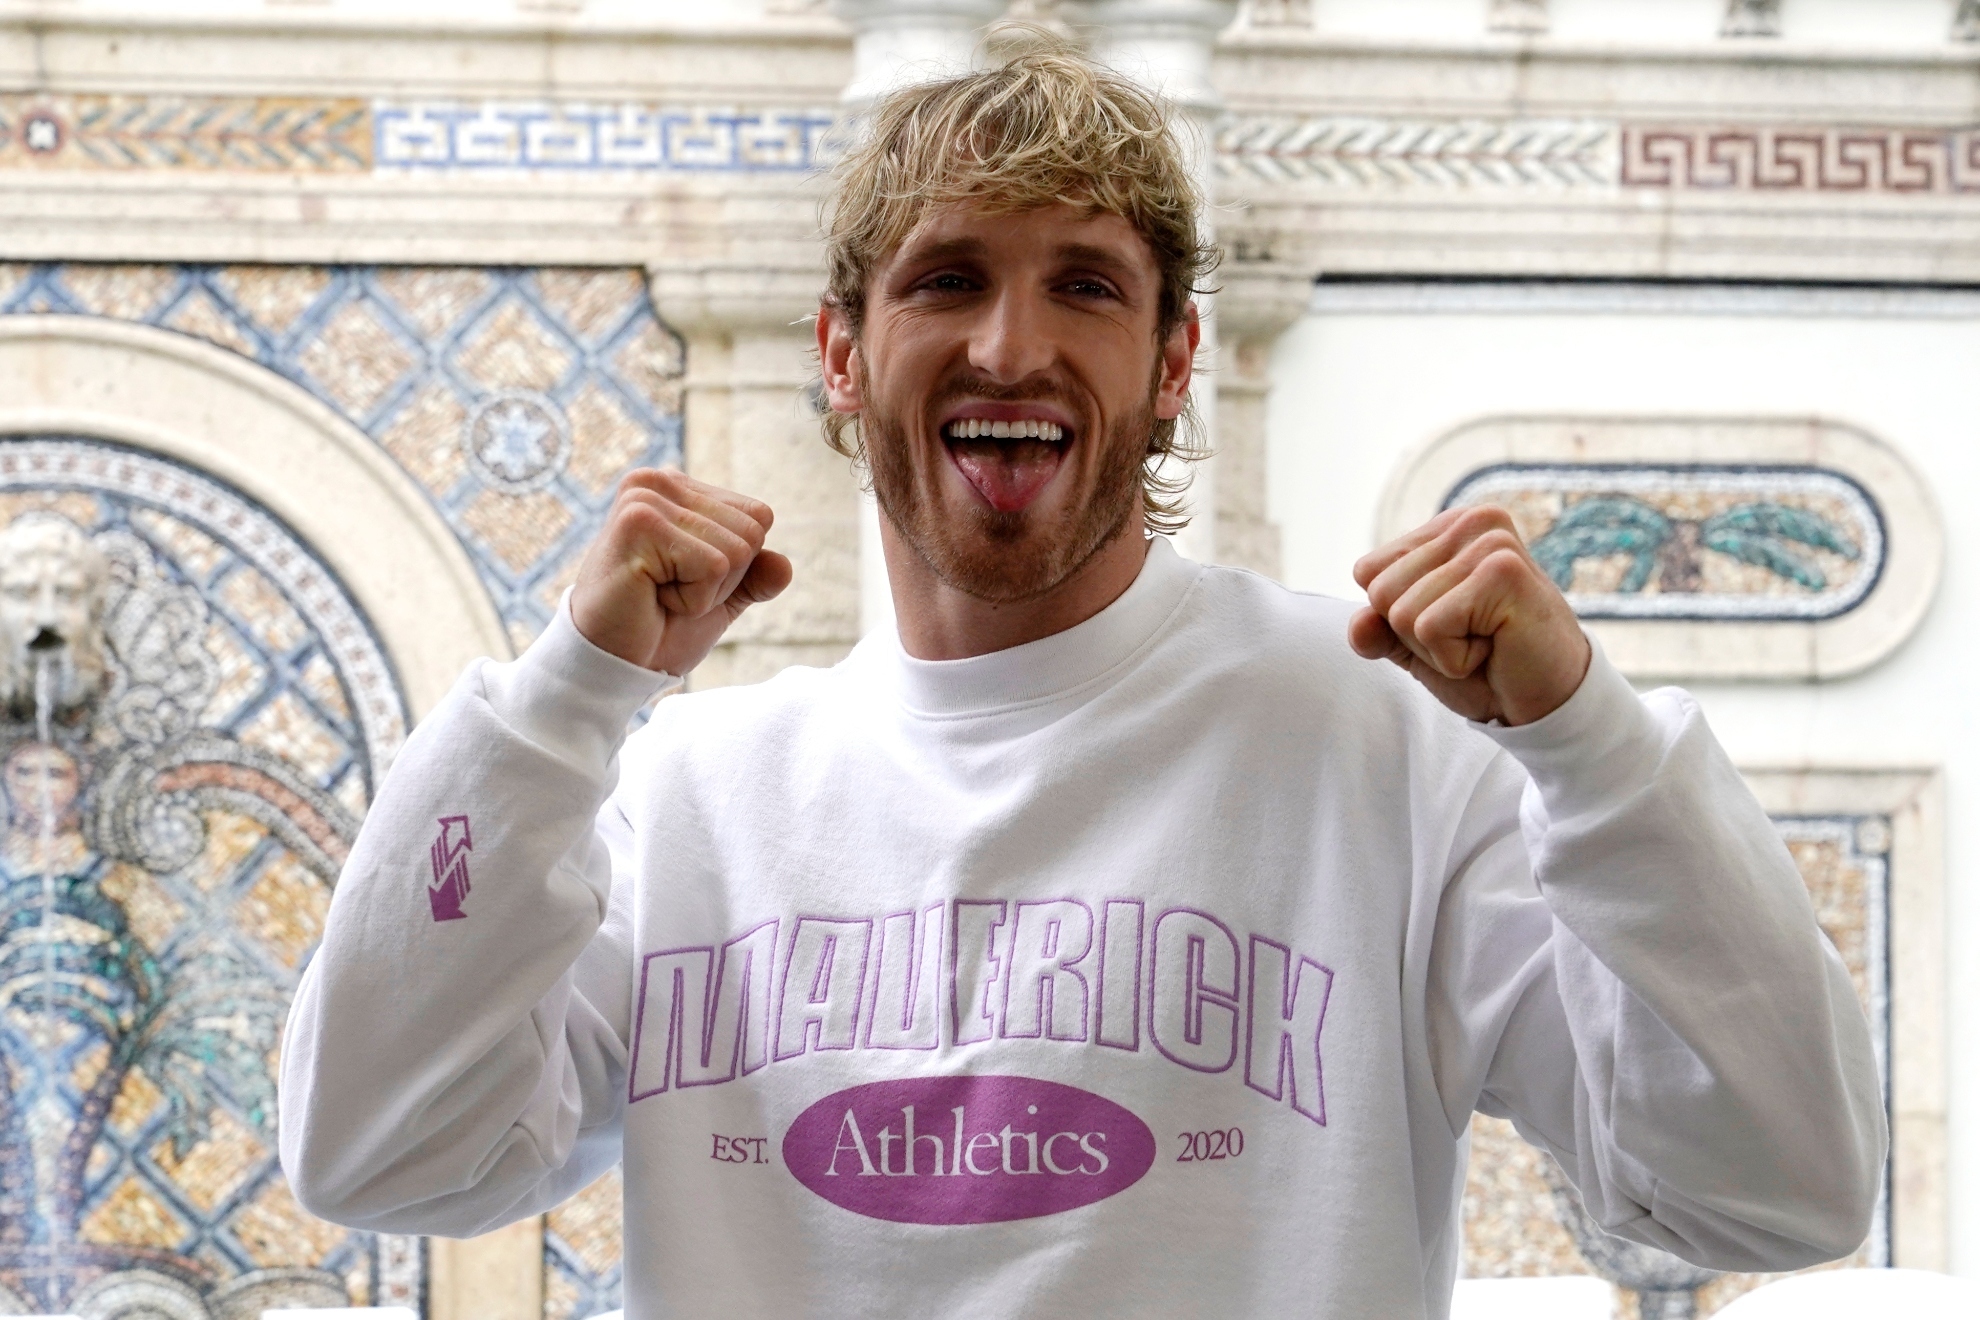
point(966, 1150)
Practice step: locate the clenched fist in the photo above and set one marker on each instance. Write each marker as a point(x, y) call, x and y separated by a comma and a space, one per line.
point(678, 561)
point(1463, 607)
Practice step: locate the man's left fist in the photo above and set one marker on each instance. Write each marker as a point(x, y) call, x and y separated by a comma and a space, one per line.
point(1460, 604)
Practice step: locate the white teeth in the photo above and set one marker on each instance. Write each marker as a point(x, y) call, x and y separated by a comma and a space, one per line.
point(972, 428)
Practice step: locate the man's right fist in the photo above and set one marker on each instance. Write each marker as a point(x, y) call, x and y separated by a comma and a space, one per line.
point(678, 561)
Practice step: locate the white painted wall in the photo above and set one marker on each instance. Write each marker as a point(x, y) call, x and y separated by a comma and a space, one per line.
point(1355, 391)
point(1852, 24)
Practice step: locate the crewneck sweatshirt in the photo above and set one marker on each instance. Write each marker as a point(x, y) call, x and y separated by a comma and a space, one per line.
point(1153, 968)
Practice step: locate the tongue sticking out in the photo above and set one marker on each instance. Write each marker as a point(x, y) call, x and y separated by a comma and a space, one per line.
point(1008, 474)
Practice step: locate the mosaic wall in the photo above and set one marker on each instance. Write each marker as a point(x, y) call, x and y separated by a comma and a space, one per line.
point(192, 718)
point(1698, 541)
point(515, 398)
point(1520, 1217)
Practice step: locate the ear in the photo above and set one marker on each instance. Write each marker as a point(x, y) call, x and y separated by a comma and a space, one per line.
point(838, 360)
point(1178, 362)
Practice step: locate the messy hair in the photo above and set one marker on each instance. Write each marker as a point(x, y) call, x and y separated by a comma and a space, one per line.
point(1046, 126)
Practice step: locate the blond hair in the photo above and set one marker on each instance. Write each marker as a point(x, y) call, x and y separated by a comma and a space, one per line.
point(1046, 126)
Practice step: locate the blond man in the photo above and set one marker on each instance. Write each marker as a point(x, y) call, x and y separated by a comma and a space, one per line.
point(1121, 937)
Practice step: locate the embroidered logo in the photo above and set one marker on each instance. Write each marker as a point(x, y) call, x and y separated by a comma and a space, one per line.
point(450, 872)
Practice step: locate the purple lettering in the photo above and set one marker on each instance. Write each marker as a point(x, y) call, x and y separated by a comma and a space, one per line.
point(1193, 992)
point(905, 1013)
point(827, 958)
point(974, 966)
point(1043, 994)
point(1284, 1011)
point(672, 1008)
point(1120, 974)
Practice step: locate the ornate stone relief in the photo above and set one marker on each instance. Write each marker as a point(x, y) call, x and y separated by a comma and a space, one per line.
point(1720, 548)
point(1866, 843)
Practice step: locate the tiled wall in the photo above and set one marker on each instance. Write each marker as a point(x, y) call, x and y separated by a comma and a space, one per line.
point(515, 399)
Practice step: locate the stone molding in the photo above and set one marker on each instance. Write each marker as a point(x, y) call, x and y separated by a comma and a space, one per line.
point(203, 406)
point(1654, 628)
point(508, 145)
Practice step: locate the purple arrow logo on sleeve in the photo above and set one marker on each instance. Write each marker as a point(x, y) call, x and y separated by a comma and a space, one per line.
point(450, 872)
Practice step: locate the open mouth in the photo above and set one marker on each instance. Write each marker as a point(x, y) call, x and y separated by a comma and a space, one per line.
point(1008, 462)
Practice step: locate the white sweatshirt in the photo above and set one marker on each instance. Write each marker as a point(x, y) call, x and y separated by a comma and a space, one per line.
point(1153, 968)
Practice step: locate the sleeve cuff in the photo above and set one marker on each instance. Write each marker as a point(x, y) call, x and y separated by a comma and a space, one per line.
point(569, 696)
point(1602, 742)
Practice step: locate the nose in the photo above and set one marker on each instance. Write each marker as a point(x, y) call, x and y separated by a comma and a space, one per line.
point(1011, 341)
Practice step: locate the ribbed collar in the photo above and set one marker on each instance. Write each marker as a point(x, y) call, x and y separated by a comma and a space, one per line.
point(1049, 667)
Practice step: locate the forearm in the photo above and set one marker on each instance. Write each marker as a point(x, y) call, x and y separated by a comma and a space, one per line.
point(439, 1064)
point(1725, 1089)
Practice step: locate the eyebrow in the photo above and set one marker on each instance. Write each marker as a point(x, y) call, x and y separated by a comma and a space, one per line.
point(1073, 254)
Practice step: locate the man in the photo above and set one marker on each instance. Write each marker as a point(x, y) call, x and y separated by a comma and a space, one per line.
point(1124, 937)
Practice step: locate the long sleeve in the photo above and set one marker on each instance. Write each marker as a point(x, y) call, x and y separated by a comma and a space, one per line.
point(1628, 966)
point(455, 1054)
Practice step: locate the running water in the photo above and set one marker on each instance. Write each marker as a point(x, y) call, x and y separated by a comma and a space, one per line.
point(47, 673)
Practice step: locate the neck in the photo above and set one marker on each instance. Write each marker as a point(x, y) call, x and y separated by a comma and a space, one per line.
point(939, 622)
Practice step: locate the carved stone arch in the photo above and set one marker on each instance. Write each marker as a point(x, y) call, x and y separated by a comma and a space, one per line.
point(217, 412)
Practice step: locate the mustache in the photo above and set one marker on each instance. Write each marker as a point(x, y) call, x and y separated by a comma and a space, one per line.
point(970, 387)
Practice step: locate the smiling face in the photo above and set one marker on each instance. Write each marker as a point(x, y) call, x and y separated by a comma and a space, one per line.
point(1008, 374)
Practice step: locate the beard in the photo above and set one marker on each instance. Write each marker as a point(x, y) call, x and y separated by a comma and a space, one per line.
point(992, 555)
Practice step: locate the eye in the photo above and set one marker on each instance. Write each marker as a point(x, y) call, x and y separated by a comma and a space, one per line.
point(948, 281)
point(1089, 288)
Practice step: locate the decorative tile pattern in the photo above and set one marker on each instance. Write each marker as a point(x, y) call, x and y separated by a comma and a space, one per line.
point(1693, 541)
point(184, 132)
point(1792, 158)
point(160, 892)
point(589, 136)
point(1360, 152)
point(516, 398)
point(1513, 1210)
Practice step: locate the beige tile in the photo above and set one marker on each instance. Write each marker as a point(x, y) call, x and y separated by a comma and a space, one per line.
point(434, 299)
point(126, 293)
point(275, 296)
point(277, 1232)
point(193, 550)
point(650, 362)
point(203, 318)
point(514, 350)
point(284, 909)
point(589, 1224)
point(258, 603)
point(229, 839)
point(213, 1169)
point(605, 441)
point(356, 359)
point(136, 1102)
point(133, 1216)
point(239, 674)
point(319, 679)
point(152, 912)
point(517, 528)
point(425, 437)
point(286, 727)
point(591, 302)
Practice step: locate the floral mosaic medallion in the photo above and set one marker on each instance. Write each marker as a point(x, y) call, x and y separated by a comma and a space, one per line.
point(192, 718)
point(1522, 1219)
point(1694, 541)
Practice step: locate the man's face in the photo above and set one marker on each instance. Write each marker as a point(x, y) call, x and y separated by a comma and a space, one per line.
point(1007, 377)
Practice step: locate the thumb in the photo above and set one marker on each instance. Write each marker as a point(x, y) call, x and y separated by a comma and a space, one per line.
point(769, 573)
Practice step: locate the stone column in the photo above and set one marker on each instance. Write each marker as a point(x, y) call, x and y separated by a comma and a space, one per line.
point(1254, 308)
point(751, 426)
point(1166, 45)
